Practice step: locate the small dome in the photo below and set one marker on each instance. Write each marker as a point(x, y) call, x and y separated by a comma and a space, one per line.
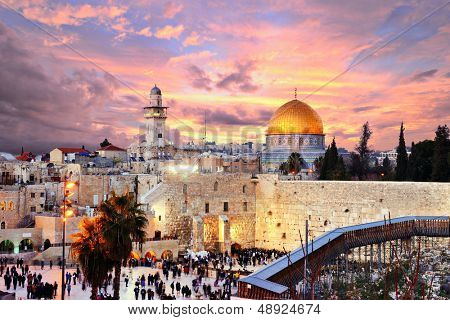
point(155, 90)
point(295, 117)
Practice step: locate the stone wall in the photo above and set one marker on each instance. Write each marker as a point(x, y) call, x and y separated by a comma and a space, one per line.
point(100, 186)
point(18, 202)
point(187, 197)
point(282, 207)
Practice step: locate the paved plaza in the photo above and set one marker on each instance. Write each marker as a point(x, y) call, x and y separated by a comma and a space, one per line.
point(126, 293)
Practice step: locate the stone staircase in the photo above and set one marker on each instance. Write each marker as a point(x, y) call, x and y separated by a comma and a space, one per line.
point(152, 195)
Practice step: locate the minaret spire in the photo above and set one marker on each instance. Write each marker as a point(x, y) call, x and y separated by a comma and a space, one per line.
point(295, 93)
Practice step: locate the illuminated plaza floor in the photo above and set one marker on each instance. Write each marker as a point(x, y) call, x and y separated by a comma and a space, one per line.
point(77, 293)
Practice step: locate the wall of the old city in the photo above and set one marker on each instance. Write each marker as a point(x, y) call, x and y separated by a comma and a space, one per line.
point(283, 206)
point(188, 195)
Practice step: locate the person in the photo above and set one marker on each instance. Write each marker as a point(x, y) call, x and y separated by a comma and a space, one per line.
point(178, 287)
point(42, 264)
point(172, 286)
point(51, 264)
point(55, 288)
point(69, 288)
point(149, 294)
point(143, 293)
point(126, 281)
point(136, 293)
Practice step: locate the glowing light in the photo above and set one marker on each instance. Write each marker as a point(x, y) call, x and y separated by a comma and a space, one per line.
point(70, 185)
point(69, 213)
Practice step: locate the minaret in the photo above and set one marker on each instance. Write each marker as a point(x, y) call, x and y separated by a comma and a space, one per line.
point(155, 118)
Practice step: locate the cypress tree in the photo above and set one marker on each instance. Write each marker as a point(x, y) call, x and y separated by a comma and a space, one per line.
point(402, 157)
point(360, 161)
point(441, 157)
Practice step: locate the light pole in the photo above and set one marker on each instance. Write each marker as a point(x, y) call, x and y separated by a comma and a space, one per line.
point(66, 213)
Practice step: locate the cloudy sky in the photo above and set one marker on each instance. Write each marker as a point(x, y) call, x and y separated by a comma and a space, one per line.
point(234, 61)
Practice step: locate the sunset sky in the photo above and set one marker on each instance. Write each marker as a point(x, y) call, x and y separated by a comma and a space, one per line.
point(236, 61)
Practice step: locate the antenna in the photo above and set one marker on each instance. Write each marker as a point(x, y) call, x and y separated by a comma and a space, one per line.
point(295, 93)
point(205, 128)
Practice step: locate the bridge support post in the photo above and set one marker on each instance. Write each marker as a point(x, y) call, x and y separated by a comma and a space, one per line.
point(379, 256)
point(371, 258)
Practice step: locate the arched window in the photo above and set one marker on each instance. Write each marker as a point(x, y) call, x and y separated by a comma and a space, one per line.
point(325, 223)
point(244, 188)
point(11, 205)
point(3, 225)
point(216, 186)
point(3, 205)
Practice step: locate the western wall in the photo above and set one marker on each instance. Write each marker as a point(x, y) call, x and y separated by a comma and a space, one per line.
point(276, 210)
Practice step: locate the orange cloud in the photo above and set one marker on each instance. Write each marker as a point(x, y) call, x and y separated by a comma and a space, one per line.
point(171, 9)
point(168, 32)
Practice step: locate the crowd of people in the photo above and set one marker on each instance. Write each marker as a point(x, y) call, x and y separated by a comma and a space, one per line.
point(224, 269)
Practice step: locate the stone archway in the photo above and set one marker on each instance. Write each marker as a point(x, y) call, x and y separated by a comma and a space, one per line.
point(150, 254)
point(167, 255)
point(135, 255)
point(26, 245)
point(3, 225)
point(6, 246)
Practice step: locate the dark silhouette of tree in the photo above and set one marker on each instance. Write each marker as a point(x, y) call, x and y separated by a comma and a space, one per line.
point(420, 162)
point(332, 166)
point(89, 249)
point(295, 163)
point(441, 156)
point(105, 143)
point(123, 223)
point(360, 160)
point(402, 157)
point(387, 165)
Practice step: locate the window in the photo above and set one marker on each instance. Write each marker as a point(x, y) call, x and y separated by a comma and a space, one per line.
point(33, 195)
point(244, 188)
point(160, 135)
point(225, 206)
point(184, 188)
point(3, 225)
point(159, 218)
point(3, 205)
point(245, 207)
point(185, 205)
point(95, 200)
point(33, 209)
point(42, 194)
point(207, 207)
point(216, 186)
point(11, 205)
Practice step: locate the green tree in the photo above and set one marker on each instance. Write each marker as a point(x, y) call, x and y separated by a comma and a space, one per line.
point(360, 159)
point(295, 163)
point(332, 166)
point(105, 143)
point(89, 249)
point(420, 162)
point(123, 223)
point(441, 157)
point(402, 157)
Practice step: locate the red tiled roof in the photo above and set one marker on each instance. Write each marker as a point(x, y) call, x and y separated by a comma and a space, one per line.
point(72, 150)
point(25, 156)
point(111, 148)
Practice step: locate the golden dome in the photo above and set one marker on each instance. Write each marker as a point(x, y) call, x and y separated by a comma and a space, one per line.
point(295, 117)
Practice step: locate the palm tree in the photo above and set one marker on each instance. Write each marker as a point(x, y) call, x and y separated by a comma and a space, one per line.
point(295, 163)
point(88, 248)
point(123, 223)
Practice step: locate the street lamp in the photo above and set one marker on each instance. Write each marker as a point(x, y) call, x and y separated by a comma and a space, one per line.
point(67, 212)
